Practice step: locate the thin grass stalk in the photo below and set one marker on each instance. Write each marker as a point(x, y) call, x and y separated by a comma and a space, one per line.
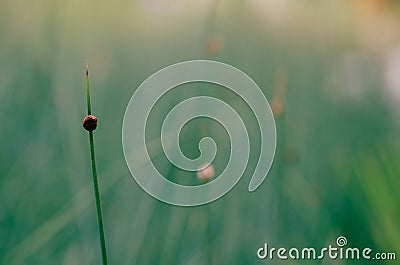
point(95, 179)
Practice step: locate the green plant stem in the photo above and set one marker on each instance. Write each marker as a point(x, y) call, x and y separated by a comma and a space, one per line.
point(89, 108)
point(203, 133)
point(209, 236)
point(98, 204)
point(95, 181)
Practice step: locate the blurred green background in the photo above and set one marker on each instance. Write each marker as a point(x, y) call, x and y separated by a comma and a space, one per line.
point(330, 70)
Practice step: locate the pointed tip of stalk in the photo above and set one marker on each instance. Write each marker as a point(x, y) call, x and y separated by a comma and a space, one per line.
point(88, 89)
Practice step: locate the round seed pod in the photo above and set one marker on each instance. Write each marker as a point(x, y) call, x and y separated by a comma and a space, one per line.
point(89, 123)
point(206, 172)
point(213, 45)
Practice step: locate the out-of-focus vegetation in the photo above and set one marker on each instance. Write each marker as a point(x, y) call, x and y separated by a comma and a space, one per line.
point(330, 69)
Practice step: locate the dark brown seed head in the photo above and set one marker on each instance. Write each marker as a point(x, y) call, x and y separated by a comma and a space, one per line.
point(89, 122)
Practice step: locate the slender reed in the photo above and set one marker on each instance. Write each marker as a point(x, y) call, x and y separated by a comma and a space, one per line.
point(205, 175)
point(90, 124)
point(209, 236)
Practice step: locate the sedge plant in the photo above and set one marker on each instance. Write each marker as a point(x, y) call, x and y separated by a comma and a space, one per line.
point(90, 124)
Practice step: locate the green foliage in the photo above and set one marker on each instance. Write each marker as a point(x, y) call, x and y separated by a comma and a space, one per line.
point(336, 170)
